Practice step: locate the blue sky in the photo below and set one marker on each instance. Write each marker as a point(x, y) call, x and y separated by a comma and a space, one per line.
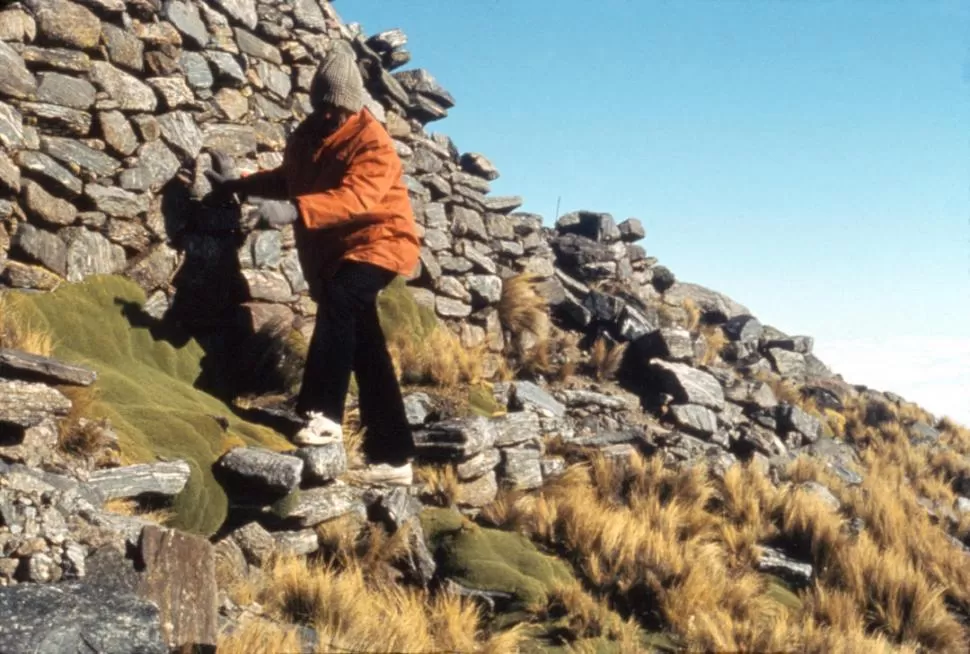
point(809, 158)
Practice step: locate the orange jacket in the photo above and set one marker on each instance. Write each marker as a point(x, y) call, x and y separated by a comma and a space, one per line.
point(352, 200)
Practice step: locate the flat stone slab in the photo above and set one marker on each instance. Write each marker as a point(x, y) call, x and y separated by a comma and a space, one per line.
point(312, 507)
point(32, 367)
point(27, 404)
point(167, 478)
point(455, 439)
point(261, 470)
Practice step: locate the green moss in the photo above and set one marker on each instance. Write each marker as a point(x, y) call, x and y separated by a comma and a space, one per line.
point(481, 401)
point(146, 386)
point(489, 559)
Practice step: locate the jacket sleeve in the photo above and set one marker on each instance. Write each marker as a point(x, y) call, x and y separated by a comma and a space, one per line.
point(370, 174)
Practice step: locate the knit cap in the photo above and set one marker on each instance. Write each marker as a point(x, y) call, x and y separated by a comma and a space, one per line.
point(338, 81)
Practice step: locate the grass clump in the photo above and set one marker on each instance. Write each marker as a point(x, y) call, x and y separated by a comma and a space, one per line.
point(19, 333)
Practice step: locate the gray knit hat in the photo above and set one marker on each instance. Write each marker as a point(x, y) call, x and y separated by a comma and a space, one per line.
point(338, 81)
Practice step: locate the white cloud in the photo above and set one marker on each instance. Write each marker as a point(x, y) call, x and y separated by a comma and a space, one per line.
point(933, 372)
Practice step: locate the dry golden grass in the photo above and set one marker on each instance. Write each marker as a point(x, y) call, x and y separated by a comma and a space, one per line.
point(693, 314)
point(714, 342)
point(77, 434)
point(351, 612)
point(521, 308)
point(440, 483)
point(259, 636)
point(439, 359)
point(605, 359)
point(582, 616)
point(131, 508)
point(16, 334)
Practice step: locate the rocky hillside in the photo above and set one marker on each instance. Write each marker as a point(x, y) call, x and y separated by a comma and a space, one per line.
point(610, 459)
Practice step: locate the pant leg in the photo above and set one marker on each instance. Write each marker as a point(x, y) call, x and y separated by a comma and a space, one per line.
point(388, 437)
point(330, 359)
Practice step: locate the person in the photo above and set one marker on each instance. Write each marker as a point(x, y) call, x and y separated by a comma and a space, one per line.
point(341, 183)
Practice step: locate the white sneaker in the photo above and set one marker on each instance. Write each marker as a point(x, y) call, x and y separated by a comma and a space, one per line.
point(383, 474)
point(319, 430)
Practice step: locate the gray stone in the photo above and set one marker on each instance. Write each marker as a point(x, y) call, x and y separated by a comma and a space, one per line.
point(290, 266)
point(70, 61)
point(795, 419)
point(450, 308)
point(775, 562)
point(527, 395)
point(470, 181)
point(57, 88)
point(20, 275)
point(417, 407)
point(307, 14)
point(90, 253)
point(478, 260)
point(521, 468)
point(744, 328)
point(117, 132)
point(455, 439)
point(64, 23)
point(243, 11)
point(42, 247)
point(154, 268)
point(297, 543)
point(268, 285)
point(71, 152)
point(673, 344)
point(688, 385)
point(821, 493)
point(125, 49)
point(173, 90)
point(477, 493)
point(799, 344)
point(552, 466)
point(585, 398)
point(186, 19)
point(787, 363)
point(232, 103)
point(631, 230)
point(452, 288)
point(257, 544)
point(503, 203)
point(517, 428)
point(421, 82)
point(256, 47)
point(840, 458)
point(166, 478)
point(233, 140)
point(196, 70)
point(921, 433)
point(262, 469)
point(182, 133)
point(312, 507)
point(476, 164)
point(714, 306)
point(437, 240)
point(49, 209)
point(478, 465)
point(128, 92)
point(227, 69)
point(77, 617)
point(598, 227)
point(467, 223)
point(761, 439)
point(485, 289)
point(54, 117)
point(322, 463)
point(159, 162)
point(27, 404)
point(14, 363)
point(426, 110)
point(276, 80)
point(267, 247)
point(11, 127)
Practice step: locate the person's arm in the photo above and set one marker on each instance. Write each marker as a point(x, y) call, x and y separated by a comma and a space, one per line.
point(370, 174)
point(267, 184)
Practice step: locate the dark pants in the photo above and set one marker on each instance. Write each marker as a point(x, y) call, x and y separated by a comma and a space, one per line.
point(348, 337)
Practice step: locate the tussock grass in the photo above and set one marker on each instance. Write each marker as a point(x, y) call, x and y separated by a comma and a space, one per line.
point(693, 313)
point(440, 483)
point(521, 308)
point(16, 333)
point(259, 636)
point(714, 341)
point(132, 508)
point(605, 359)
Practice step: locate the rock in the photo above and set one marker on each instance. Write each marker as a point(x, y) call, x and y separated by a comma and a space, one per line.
point(774, 562)
point(60, 22)
point(503, 203)
point(312, 507)
point(40, 165)
point(799, 344)
point(754, 437)
point(276, 80)
point(466, 223)
point(417, 407)
point(233, 140)
point(838, 457)
point(517, 428)
point(581, 398)
point(455, 439)
point(256, 47)
point(179, 577)
point(388, 40)
point(485, 289)
point(57, 88)
point(792, 418)
point(476, 164)
point(268, 285)
point(478, 465)
point(182, 133)
point(197, 71)
point(452, 288)
point(43, 205)
point(77, 616)
point(297, 543)
point(257, 544)
point(16, 81)
point(552, 466)
point(42, 247)
point(58, 58)
point(307, 14)
point(478, 260)
point(70, 152)
point(186, 19)
point(261, 470)
point(787, 364)
point(227, 69)
point(746, 329)
point(422, 83)
point(11, 126)
point(520, 468)
point(688, 385)
point(426, 110)
point(128, 92)
point(173, 90)
point(822, 493)
point(165, 479)
point(631, 230)
point(449, 308)
point(694, 419)
point(17, 25)
point(54, 118)
point(117, 132)
point(125, 49)
point(397, 508)
point(33, 449)
point(232, 103)
point(921, 433)
point(528, 396)
point(598, 227)
point(19, 275)
point(477, 493)
point(242, 11)
point(673, 344)
point(116, 202)
point(715, 307)
point(32, 367)
point(322, 463)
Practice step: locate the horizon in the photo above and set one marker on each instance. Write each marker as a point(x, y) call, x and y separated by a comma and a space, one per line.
point(807, 160)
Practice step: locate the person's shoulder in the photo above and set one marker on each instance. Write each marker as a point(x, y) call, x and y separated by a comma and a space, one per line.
point(371, 129)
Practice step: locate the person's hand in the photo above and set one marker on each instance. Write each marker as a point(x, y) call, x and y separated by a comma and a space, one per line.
point(277, 213)
point(223, 178)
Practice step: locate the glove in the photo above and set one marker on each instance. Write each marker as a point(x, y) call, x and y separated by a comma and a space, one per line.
point(223, 178)
point(277, 213)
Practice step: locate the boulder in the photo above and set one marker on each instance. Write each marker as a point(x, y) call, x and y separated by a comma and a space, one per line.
point(694, 419)
point(312, 507)
point(715, 307)
point(423, 84)
point(60, 22)
point(57, 88)
point(521, 468)
point(165, 479)
point(72, 152)
point(41, 246)
point(322, 463)
point(459, 438)
point(516, 428)
point(49, 209)
point(744, 328)
point(775, 562)
point(792, 418)
point(116, 202)
point(631, 230)
point(418, 407)
point(33, 367)
point(260, 471)
point(528, 396)
point(670, 343)
point(688, 385)
point(787, 363)
point(16, 81)
point(478, 465)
